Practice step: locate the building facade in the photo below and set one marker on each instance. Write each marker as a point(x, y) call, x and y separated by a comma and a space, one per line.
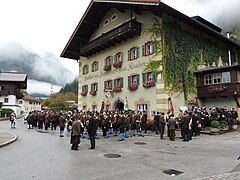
point(10, 85)
point(29, 103)
point(113, 45)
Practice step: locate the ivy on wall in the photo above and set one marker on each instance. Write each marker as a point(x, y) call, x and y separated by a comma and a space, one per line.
point(181, 55)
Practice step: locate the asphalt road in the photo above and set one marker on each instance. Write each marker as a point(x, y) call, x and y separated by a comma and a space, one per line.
point(44, 155)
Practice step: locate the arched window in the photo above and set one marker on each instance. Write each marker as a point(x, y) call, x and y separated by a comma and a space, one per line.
point(85, 69)
point(94, 66)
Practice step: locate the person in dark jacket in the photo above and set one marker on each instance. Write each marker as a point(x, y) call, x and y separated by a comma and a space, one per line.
point(75, 136)
point(62, 122)
point(185, 125)
point(162, 124)
point(172, 126)
point(92, 128)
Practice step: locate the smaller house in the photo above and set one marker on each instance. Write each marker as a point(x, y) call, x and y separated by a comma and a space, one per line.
point(10, 85)
point(29, 103)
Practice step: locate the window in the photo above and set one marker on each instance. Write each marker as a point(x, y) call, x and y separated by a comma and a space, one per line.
point(108, 61)
point(142, 107)
point(216, 78)
point(94, 66)
point(148, 48)
point(30, 103)
point(108, 84)
point(106, 22)
point(114, 17)
point(226, 77)
point(5, 100)
point(119, 57)
point(118, 82)
point(208, 79)
point(20, 102)
point(133, 53)
point(150, 76)
point(85, 88)
point(85, 69)
point(94, 87)
point(134, 79)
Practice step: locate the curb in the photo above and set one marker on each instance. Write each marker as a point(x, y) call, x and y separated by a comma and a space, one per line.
point(10, 141)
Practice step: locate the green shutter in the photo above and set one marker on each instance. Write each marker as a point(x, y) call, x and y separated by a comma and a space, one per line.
point(143, 50)
point(121, 81)
point(96, 86)
point(154, 47)
point(138, 79)
point(110, 84)
point(105, 83)
point(87, 88)
point(115, 83)
point(82, 88)
point(144, 77)
point(129, 80)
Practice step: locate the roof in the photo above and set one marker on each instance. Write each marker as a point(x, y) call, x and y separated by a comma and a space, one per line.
point(13, 76)
point(30, 98)
point(98, 8)
point(216, 69)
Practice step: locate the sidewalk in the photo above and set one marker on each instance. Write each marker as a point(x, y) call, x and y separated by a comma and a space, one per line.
point(228, 176)
point(7, 138)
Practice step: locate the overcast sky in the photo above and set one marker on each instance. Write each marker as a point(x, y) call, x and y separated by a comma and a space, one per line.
point(46, 25)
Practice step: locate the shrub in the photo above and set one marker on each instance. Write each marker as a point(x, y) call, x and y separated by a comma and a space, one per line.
point(6, 112)
point(215, 124)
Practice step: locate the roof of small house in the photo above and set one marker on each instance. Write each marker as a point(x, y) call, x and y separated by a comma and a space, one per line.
point(13, 76)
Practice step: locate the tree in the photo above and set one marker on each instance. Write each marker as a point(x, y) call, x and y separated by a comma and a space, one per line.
point(181, 55)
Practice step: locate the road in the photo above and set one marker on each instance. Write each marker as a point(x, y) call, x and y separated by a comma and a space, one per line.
point(44, 155)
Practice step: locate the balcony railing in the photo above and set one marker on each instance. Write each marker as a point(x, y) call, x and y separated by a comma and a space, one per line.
point(219, 90)
point(121, 33)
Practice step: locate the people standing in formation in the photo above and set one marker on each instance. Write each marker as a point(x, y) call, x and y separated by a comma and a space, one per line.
point(125, 124)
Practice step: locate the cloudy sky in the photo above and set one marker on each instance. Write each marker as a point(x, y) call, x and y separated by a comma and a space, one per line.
point(45, 26)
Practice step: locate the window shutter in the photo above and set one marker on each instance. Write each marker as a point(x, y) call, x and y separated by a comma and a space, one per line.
point(92, 65)
point(137, 79)
point(143, 50)
point(122, 57)
point(129, 80)
point(137, 52)
point(86, 88)
point(154, 47)
point(82, 88)
point(111, 60)
point(110, 84)
point(96, 86)
point(154, 77)
point(129, 55)
point(105, 84)
point(144, 77)
point(121, 81)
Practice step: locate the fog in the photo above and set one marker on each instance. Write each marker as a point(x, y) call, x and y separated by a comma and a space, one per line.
point(223, 13)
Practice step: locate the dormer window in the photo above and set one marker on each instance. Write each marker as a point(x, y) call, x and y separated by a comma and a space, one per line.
point(114, 17)
point(106, 22)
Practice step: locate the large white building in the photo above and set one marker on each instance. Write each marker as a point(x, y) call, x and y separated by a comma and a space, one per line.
point(113, 47)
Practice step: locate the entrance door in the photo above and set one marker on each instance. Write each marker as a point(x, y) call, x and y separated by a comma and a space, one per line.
point(119, 106)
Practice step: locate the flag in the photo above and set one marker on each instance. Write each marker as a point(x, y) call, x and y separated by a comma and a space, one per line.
point(171, 105)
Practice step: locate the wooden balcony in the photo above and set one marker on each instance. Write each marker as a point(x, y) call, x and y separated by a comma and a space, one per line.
point(121, 33)
point(219, 90)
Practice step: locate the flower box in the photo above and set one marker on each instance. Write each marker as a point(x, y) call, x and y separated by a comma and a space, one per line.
point(93, 93)
point(117, 89)
point(148, 84)
point(132, 87)
point(84, 93)
point(107, 68)
point(117, 65)
point(217, 89)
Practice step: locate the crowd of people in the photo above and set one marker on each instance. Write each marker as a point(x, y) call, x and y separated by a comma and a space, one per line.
point(125, 124)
